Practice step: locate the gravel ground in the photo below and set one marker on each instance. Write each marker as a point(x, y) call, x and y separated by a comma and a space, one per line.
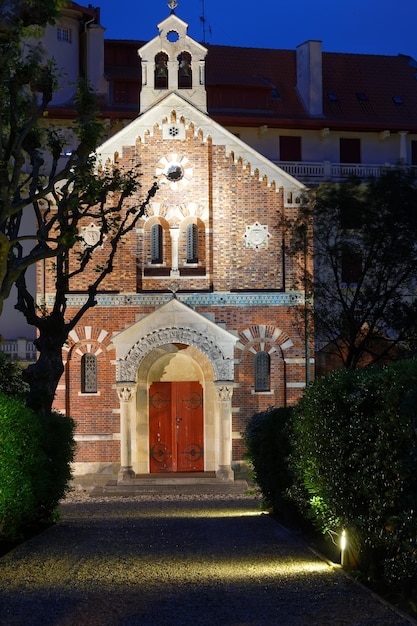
point(177, 561)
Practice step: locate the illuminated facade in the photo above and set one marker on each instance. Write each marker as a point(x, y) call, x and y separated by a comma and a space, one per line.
point(198, 326)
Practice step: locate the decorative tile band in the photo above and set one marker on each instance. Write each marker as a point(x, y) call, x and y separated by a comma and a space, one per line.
point(222, 299)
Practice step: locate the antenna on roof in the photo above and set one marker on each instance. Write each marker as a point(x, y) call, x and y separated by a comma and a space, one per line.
point(203, 23)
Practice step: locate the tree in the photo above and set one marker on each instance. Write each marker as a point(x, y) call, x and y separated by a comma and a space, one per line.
point(59, 193)
point(27, 82)
point(365, 266)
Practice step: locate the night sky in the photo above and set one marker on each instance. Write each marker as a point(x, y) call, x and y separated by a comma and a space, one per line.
point(358, 26)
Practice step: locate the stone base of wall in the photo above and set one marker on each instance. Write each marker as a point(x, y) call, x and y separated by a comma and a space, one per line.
point(87, 476)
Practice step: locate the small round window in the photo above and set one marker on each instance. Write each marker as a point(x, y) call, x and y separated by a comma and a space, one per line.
point(174, 172)
point(173, 36)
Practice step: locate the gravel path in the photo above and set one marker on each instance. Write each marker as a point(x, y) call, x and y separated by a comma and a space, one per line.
point(177, 561)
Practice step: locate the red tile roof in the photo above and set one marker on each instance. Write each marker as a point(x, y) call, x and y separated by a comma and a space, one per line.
point(251, 86)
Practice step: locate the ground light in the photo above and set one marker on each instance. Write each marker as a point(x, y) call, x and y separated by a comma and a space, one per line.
point(343, 546)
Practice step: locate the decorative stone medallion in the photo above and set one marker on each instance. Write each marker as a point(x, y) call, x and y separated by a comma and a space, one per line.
point(90, 235)
point(257, 236)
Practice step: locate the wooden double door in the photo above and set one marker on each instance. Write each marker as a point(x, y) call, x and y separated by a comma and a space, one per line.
point(176, 427)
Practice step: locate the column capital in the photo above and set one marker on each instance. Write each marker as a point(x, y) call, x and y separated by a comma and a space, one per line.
point(224, 390)
point(125, 392)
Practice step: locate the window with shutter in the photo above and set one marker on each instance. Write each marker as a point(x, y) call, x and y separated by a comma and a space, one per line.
point(192, 243)
point(156, 243)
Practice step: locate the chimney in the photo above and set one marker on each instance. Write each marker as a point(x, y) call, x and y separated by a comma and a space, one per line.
point(310, 77)
point(93, 57)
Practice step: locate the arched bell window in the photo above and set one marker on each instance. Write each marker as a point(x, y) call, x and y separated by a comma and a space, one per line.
point(161, 71)
point(185, 77)
point(157, 235)
point(89, 373)
point(192, 243)
point(262, 371)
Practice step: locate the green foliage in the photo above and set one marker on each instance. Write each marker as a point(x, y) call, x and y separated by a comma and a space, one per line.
point(35, 453)
point(19, 455)
point(354, 459)
point(365, 265)
point(266, 438)
point(52, 476)
point(11, 382)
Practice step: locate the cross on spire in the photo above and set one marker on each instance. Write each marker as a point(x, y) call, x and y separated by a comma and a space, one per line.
point(172, 4)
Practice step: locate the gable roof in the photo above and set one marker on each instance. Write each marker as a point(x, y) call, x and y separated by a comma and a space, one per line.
point(156, 114)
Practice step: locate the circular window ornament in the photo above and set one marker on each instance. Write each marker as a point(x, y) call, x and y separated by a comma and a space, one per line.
point(174, 170)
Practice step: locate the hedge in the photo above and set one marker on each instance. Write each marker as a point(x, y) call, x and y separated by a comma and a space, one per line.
point(35, 456)
point(354, 460)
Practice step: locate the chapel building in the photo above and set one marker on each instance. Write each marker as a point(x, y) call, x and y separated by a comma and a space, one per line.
point(201, 324)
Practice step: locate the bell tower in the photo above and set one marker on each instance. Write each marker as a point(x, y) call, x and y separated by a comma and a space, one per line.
point(173, 61)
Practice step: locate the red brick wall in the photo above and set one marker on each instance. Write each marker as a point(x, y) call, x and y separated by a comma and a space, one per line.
point(227, 197)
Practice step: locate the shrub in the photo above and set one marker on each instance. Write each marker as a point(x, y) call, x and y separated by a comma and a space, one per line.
point(52, 476)
point(266, 438)
point(19, 455)
point(35, 456)
point(354, 458)
point(11, 382)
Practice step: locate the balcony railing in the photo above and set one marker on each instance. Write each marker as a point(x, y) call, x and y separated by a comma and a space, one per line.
point(21, 349)
point(313, 172)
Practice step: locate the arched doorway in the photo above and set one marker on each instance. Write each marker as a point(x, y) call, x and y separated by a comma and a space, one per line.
point(175, 382)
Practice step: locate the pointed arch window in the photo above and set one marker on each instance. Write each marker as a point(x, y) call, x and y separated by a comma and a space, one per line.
point(161, 71)
point(262, 371)
point(157, 235)
point(192, 243)
point(89, 373)
point(185, 76)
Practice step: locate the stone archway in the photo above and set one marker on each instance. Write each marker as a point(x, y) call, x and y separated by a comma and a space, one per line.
point(175, 344)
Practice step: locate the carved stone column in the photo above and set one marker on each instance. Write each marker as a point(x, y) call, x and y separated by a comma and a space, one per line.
point(175, 236)
point(224, 395)
point(126, 393)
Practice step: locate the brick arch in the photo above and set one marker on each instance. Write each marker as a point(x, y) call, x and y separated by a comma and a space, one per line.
point(256, 338)
point(87, 336)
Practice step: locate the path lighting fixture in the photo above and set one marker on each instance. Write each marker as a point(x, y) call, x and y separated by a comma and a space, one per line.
point(343, 545)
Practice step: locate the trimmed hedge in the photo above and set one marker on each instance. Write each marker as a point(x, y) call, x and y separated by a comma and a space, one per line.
point(19, 455)
point(35, 456)
point(267, 445)
point(354, 459)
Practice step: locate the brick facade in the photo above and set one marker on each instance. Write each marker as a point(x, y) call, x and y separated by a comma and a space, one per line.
point(238, 296)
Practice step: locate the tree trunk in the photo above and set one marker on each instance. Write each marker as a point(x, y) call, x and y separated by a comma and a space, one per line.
point(44, 375)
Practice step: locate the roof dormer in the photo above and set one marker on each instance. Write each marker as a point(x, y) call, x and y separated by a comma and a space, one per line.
point(173, 62)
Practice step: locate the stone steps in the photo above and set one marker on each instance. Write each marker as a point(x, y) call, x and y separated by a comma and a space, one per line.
point(165, 484)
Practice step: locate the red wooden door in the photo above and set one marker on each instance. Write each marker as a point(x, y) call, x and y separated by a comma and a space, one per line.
point(176, 427)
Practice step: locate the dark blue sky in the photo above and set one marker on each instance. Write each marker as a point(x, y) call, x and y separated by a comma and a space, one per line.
point(362, 26)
